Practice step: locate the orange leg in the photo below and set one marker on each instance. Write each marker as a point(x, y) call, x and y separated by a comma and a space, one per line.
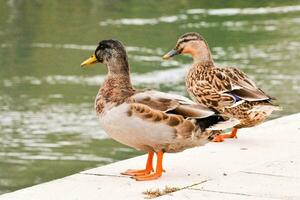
point(158, 172)
point(232, 134)
point(220, 138)
point(147, 170)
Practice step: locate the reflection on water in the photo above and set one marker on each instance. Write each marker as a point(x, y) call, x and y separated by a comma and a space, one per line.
point(48, 127)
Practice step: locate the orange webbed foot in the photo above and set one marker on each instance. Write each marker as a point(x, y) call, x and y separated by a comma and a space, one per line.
point(135, 172)
point(148, 177)
point(220, 138)
point(158, 172)
point(147, 170)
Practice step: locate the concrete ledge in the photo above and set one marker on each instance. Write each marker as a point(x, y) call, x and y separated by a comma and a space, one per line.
point(264, 163)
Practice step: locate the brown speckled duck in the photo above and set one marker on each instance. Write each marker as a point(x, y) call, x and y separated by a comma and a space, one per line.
point(227, 90)
point(151, 121)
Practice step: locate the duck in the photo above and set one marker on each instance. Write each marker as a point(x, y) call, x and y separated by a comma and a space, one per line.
point(148, 120)
point(228, 90)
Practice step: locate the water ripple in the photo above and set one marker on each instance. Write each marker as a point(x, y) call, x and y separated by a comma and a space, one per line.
point(245, 11)
point(53, 119)
point(55, 156)
point(144, 21)
point(246, 26)
point(157, 51)
point(200, 11)
point(272, 53)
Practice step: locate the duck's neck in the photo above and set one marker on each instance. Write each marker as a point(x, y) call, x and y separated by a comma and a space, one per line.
point(118, 66)
point(200, 56)
point(117, 87)
point(202, 65)
point(199, 51)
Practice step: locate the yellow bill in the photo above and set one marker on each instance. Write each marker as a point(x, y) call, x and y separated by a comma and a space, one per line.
point(89, 61)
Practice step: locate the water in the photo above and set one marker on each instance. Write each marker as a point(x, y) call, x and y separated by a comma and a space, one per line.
point(48, 127)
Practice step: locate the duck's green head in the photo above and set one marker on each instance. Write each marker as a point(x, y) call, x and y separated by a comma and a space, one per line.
point(189, 43)
point(109, 52)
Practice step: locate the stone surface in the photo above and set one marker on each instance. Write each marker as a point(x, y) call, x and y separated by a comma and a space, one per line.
point(263, 164)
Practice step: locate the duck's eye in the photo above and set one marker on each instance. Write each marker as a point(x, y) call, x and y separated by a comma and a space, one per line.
point(180, 50)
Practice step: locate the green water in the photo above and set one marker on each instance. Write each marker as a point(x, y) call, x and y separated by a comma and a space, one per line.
point(48, 127)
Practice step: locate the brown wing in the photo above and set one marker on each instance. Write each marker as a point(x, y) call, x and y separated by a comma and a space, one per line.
point(221, 87)
point(232, 81)
point(210, 95)
point(171, 103)
point(176, 111)
point(243, 86)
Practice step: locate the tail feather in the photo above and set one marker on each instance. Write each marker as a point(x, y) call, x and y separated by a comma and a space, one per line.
point(265, 108)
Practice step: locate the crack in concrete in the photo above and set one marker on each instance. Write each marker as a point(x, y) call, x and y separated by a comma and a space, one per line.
point(233, 193)
point(120, 176)
point(109, 175)
point(222, 192)
point(266, 174)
